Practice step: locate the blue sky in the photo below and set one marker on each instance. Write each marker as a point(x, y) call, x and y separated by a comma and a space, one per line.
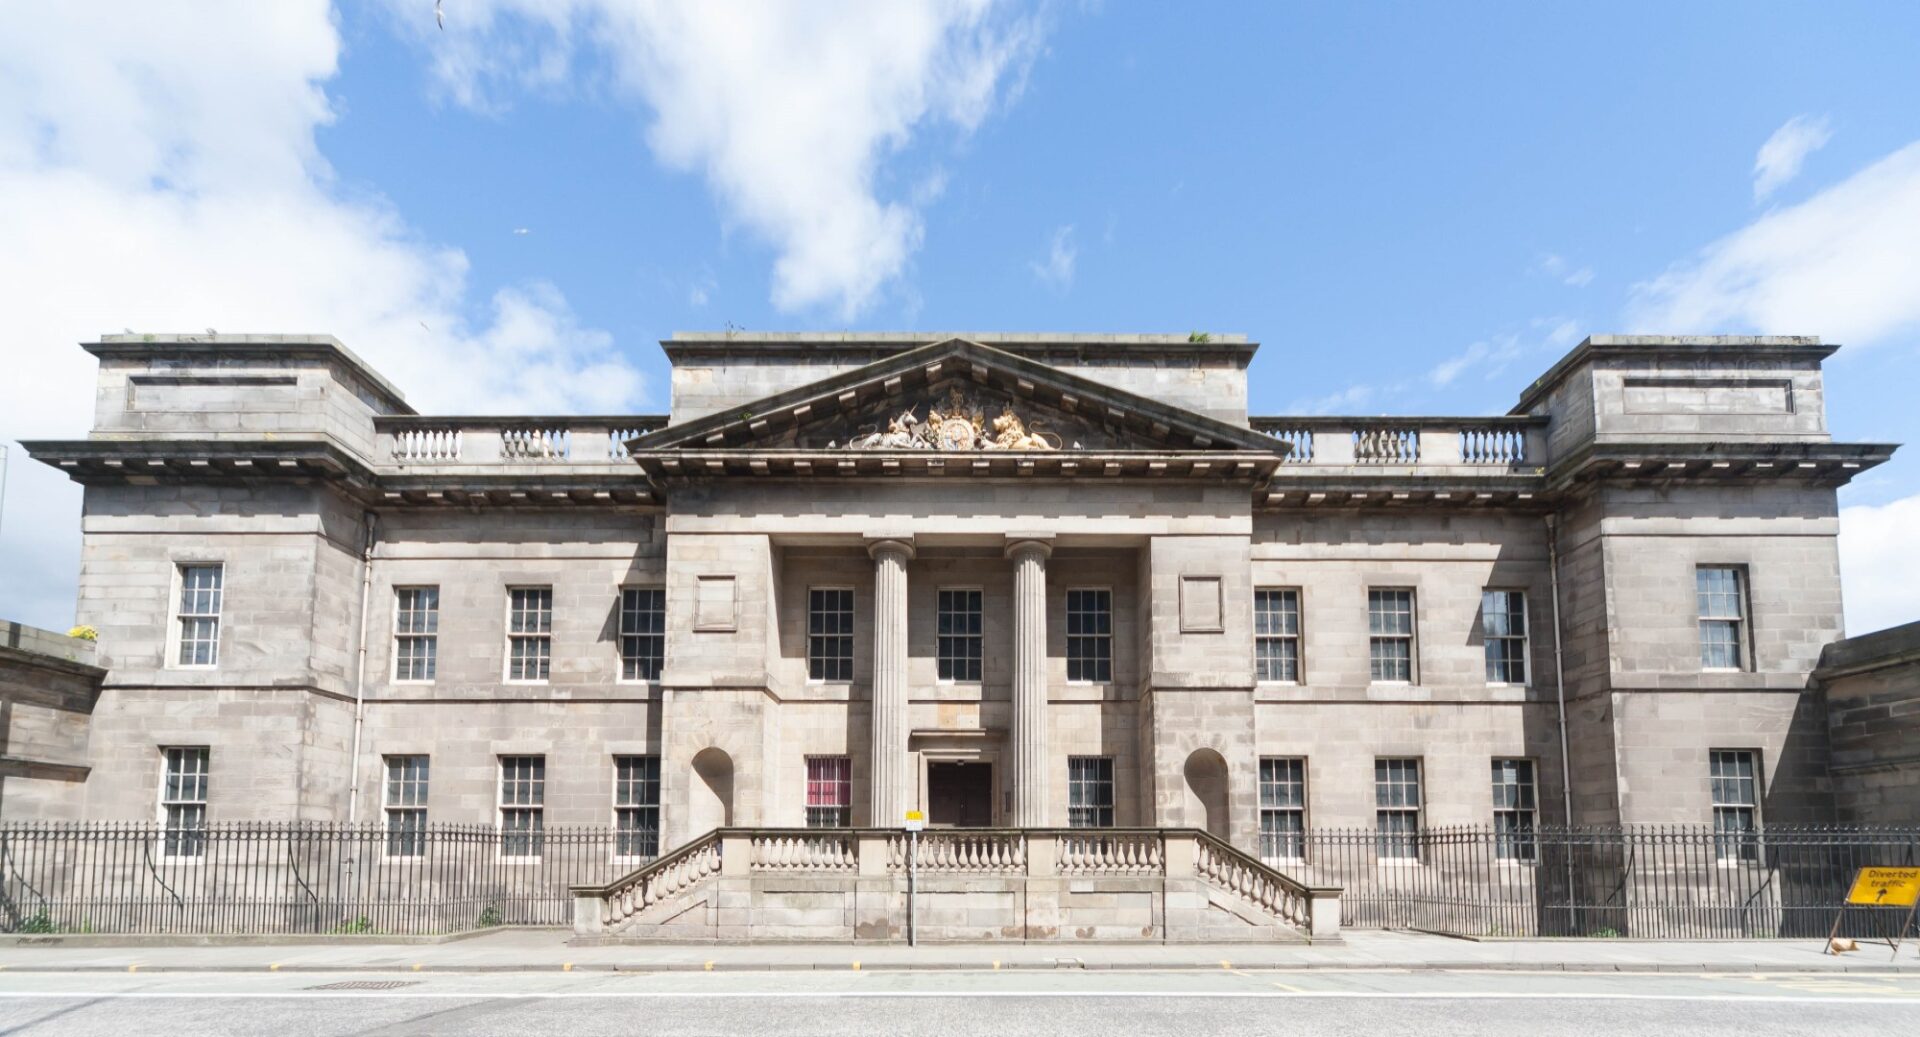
point(1415, 208)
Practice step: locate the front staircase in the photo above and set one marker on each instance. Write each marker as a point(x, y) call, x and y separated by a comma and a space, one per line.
point(1161, 885)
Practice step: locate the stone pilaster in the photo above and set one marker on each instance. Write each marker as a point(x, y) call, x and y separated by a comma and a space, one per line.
point(891, 777)
point(1030, 765)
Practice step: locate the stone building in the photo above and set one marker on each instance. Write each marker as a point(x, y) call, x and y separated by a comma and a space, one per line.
point(1007, 579)
point(1871, 687)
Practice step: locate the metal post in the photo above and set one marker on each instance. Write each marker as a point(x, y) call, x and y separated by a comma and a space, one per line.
point(913, 862)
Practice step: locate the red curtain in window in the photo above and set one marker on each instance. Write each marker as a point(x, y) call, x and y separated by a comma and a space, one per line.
point(829, 781)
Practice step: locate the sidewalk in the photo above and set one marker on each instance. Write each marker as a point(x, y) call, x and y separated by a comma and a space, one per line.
point(539, 950)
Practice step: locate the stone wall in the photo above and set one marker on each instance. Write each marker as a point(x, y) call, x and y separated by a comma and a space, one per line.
point(1871, 686)
point(49, 687)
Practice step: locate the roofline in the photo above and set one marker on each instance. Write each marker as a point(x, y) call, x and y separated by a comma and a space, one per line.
point(309, 346)
point(1780, 347)
point(688, 343)
point(1864, 653)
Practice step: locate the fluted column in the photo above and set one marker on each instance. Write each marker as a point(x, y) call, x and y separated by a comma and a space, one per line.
point(1030, 765)
point(891, 778)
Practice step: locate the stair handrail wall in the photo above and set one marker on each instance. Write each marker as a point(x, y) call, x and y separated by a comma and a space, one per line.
point(1065, 852)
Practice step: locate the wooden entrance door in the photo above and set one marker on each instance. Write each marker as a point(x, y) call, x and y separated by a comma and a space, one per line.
point(959, 795)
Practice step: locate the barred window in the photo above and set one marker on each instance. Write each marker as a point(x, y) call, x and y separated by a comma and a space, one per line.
point(959, 633)
point(830, 634)
point(1390, 630)
point(1396, 800)
point(1735, 774)
point(406, 806)
point(1283, 808)
point(416, 632)
point(636, 806)
point(183, 800)
point(529, 633)
point(1722, 602)
point(1090, 791)
point(643, 633)
point(1513, 810)
point(1503, 629)
point(198, 621)
point(1089, 635)
point(829, 791)
point(523, 799)
point(1276, 634)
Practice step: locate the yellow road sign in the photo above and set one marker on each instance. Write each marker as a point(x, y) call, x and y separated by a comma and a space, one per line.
point(1885, 887)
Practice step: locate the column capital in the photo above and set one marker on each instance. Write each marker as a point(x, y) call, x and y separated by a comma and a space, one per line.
point(1023, 543)
point(879, 545)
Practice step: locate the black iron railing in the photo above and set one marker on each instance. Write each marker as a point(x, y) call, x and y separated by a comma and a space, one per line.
point(1677, 882)
point(1667, 882)
point(291, 878)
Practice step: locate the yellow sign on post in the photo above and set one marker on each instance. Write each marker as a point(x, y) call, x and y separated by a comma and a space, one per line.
point(1885, 887)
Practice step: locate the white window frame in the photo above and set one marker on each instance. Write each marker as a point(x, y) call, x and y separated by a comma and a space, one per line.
point(1739, 621)
point(1523, 808)
point(660, 636)
point(1066, 614)
point(1300, 810)
point(853, 623)
point(979, 638)
point(1418, 809)
point(1411, 637)
point(395, 808)
point(546, 636)
point(166, 804)
point(1108, 782)
point(1488, 638)
point(1297, 638)
point(1747, 850)
point(841, 783)
point(636, 806)
point(536, 810)
point(176, 634)
point(431, 636)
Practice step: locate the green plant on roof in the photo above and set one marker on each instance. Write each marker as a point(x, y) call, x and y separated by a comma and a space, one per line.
point(84, 633)
point(1199, 336)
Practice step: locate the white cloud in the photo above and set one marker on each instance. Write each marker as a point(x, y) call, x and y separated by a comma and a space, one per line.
point(1545, 335)
point(160, 172)
point(1559, 269)
point(1780, 158)
point(1056, 269)
point(1878, 564)
point(1844, 264)
point(789, 110)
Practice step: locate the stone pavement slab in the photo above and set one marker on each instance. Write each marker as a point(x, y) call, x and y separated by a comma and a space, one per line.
point(533, 950)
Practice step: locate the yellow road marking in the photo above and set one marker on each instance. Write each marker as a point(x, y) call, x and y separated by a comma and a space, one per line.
point(709, 966)
point(275, 967)
point(133, 968)
point(566, 966)
point(1290, 988)
point(856, 966)
point(416, 966)
point(996, 966)
point(1225, 964)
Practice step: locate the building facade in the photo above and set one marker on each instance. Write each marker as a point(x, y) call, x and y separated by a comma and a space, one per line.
point(1032, 580)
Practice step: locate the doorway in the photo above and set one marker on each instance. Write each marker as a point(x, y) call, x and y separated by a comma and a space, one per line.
point(959, 794)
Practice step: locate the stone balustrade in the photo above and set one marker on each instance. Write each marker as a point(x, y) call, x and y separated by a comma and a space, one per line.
point(1160, 884)
point(410, 441)
point(1499, 443)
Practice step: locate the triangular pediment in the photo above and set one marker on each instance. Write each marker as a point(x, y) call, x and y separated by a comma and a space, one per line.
point(958, 396)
